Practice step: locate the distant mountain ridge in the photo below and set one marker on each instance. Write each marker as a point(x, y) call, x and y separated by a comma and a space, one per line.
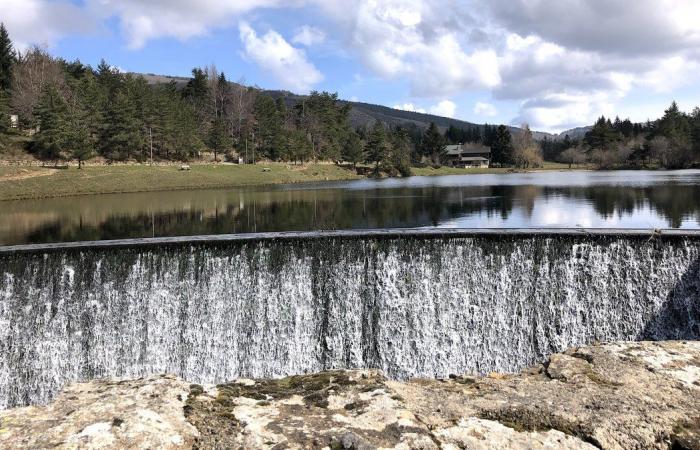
point(365, 114)
point(575, 133)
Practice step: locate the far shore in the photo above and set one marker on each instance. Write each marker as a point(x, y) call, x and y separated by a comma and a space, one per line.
point(20, 182)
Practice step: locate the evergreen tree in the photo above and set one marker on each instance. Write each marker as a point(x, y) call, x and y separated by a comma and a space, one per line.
point(52, 138)
point(5, 124)
point(108, 77)
point(223, 90)
point(267, 126)
point(8, 58)
point(674, 125)
point(297, 147)
point(122, 136)
point(353, 150)
point(325, 121)
point(502, 151)
point(376, 147)
point(79, 139)
point(433, 144)
point(602, 136)
point(695, 132)
point(219, 139)
point(282, 112)
point(197, 88)
point(198, 95)
point(400, 152)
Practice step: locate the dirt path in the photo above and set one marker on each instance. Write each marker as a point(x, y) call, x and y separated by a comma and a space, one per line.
point(23, 174)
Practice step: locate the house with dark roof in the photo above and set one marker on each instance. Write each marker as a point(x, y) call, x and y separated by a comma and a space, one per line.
point(468, 155)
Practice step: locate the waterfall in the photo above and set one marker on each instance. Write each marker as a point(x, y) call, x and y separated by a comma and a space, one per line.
point(411, 304)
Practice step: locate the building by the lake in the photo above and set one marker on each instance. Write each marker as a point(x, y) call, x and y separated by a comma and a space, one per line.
point(468, 155)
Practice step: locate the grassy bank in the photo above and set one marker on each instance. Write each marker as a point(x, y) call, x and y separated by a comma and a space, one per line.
point(45, 182)
point(429, 171)
point(39, 182)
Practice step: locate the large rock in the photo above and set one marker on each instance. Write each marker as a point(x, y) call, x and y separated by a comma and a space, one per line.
point(612, 396)
point(119, 414)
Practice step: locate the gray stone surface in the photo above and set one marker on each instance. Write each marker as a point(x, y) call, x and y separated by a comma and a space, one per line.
point(612, 396)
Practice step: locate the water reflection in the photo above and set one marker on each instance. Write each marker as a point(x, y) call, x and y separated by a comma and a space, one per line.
point(585, 199)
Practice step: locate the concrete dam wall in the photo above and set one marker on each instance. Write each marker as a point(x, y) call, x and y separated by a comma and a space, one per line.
point(414, 304)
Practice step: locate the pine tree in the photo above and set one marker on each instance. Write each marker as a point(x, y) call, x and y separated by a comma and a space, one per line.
point(121, 136)
point(52, 111)
point(5, 123)
point(109, 78)
point(353, 149)
point(267, 126)
point(376, 147)
point(502, 151)
point(223, 91)
point(79, 139)
point(602, 136)
point(695, 132)
point(674, 125)
point(400, 152)
point(8, 58)
point(197, 88)
point(433, 144)
point(219, 139)
point(325, 120)
point(298, 146)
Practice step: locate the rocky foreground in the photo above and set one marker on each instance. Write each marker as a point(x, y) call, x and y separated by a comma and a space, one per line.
point(612, 396)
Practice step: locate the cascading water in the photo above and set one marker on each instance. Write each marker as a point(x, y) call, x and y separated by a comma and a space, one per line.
point(410, 304)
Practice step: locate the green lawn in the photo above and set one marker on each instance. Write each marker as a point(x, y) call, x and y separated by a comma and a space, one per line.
point(35, 182)
point(45, 182)
point(429, 171)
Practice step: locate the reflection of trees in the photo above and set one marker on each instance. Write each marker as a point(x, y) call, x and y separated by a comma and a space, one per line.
point(328, 209)
point(673, 202)
point(303, 210)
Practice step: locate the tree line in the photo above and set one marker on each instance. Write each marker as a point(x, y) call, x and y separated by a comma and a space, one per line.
point(76, 112)
point(672, 142)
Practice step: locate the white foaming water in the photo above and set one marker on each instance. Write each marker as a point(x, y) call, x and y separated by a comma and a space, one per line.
point(425, 307)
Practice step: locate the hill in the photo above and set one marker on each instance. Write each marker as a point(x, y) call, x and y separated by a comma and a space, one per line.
point(363, 114)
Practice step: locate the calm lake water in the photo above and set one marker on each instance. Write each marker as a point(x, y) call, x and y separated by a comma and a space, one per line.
point(622, 199)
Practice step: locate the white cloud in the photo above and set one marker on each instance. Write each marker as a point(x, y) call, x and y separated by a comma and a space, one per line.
point(410, 107)
point(308, 36)
point(416, 40)
point(610, 27)
point(287, 64)
point(41, 22)
point(485, 109)
point(558, 112)
point(145, 20)
point(445, 108)
point(669, 74)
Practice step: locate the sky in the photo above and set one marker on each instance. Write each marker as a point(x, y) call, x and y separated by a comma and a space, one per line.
point(554, 64)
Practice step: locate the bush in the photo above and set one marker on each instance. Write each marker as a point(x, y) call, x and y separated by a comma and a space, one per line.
point(530, 156)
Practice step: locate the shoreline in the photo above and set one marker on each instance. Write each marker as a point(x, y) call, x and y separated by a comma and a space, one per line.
point(33, 183)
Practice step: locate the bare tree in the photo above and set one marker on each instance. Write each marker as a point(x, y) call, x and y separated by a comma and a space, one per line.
point(34, 71)
point(239, 115)
point(572, 155)
point(660, 149)
point(527, 151)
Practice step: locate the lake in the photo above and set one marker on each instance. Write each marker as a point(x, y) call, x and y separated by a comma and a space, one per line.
point(615, 199)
